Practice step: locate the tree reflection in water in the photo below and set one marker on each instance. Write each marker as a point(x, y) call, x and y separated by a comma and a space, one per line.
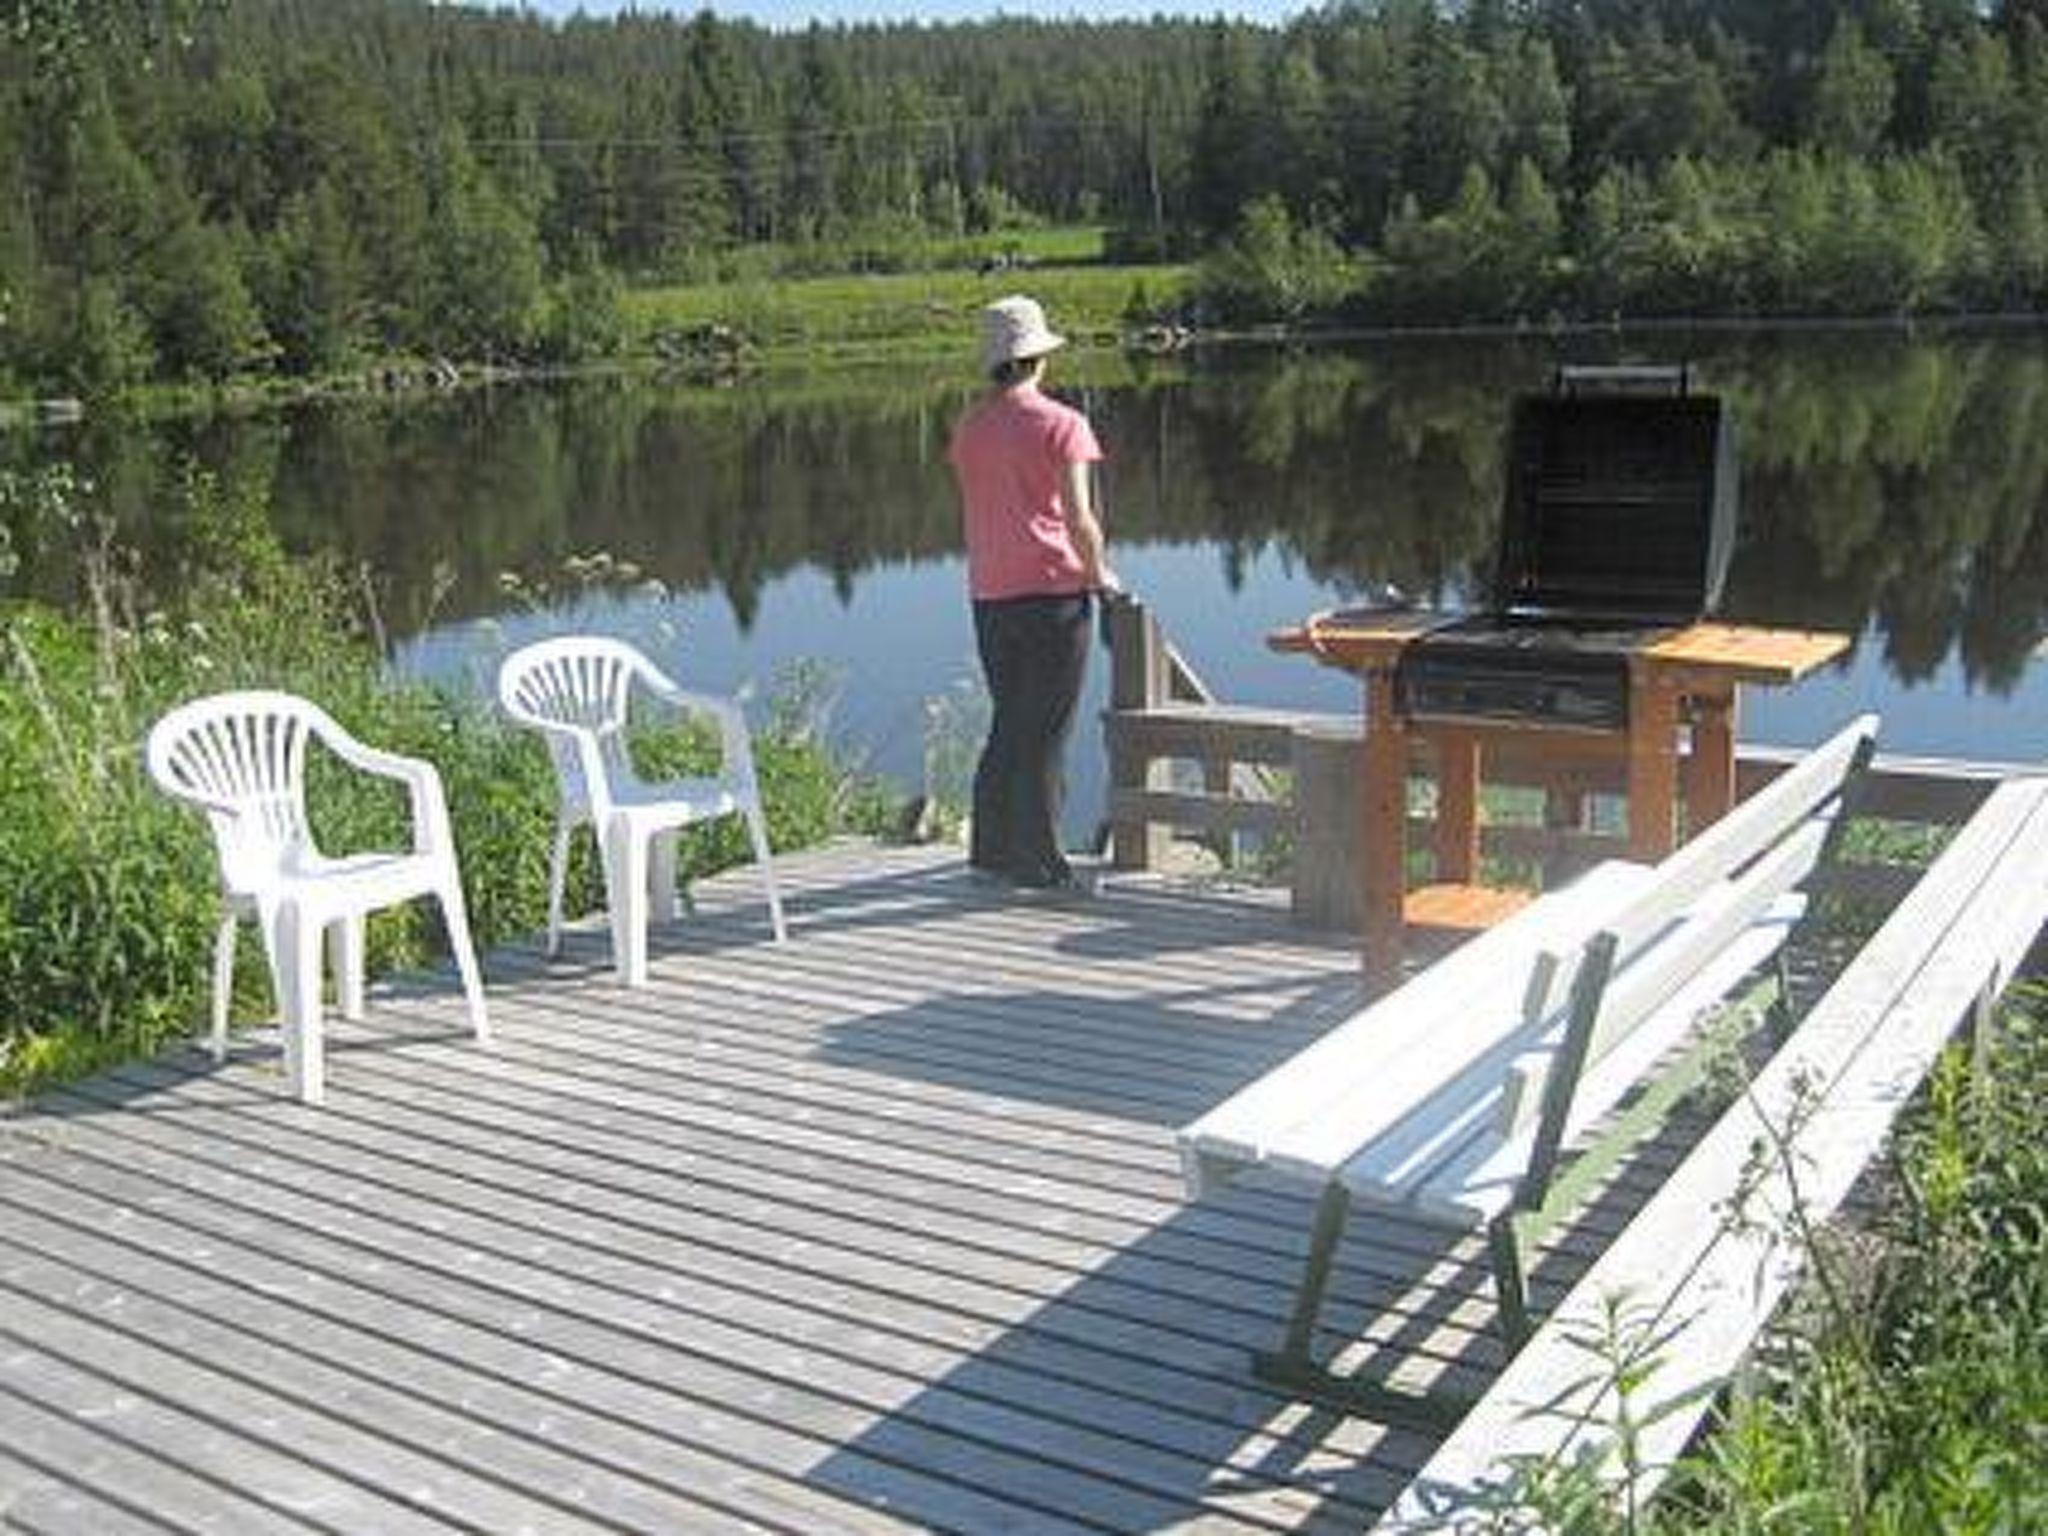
point(1893, 483)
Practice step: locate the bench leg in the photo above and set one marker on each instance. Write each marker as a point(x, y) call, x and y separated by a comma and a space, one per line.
point(1293, 1365)
point(1783, 1015)
point(1294, 1356)
point(1510, 1281)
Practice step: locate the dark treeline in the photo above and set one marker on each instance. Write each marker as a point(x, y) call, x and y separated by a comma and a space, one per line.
point(295, 186)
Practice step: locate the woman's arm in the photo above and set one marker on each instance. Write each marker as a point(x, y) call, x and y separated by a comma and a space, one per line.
point(1084, 527)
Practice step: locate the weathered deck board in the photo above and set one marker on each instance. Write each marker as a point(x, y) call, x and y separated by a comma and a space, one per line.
point(881, 1229)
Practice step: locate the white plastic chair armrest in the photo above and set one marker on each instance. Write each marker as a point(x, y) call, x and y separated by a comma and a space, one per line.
point(431, 829)
point(688, 698)
point(737, 746)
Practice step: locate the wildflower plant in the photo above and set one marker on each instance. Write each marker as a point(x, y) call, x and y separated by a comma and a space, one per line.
point(108, 890)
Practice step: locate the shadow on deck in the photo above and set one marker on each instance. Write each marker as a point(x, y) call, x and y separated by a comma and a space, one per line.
point(880, 1229)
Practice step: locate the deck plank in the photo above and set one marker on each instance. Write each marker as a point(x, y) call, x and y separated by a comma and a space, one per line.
point(877, 1230)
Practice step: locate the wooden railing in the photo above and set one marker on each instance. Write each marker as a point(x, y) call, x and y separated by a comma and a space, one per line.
point(1294, 773)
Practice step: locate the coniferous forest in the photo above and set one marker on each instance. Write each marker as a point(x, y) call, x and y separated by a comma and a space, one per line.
point(291, 187)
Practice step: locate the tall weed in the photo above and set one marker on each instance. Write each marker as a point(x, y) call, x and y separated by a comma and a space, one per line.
point(1910, 1393)
point(107, 889)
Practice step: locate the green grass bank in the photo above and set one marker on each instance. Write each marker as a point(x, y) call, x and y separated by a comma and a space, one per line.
point(107, 889)
point(923, 311)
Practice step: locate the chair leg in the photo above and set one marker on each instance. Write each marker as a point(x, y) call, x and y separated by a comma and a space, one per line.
point(223, 984)
point(455, 918)
point(270, 926)
point(625, 878)
point(345, 944)
point(661, 878)
point(298, 948)
point(757, 829)
point(558, 880)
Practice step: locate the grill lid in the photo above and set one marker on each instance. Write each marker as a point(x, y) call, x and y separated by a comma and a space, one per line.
point(1620, 500)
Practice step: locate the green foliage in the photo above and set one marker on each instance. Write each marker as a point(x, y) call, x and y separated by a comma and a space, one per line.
point(109, 899)
point(582, 315)
point(1272, 269)
point(108, 346)
point(314, 285)
point(1853, 94)
point(205, 323)
point(993, 209)
point(1909, 1394)
point(484, 282)
point(1486, 256)
point(453, 189)
point(1878, 1421)
point(842, 315)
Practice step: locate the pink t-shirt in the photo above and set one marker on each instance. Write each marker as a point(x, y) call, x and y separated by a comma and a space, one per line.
point(1009, 453)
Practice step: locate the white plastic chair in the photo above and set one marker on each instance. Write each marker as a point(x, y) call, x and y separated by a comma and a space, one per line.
point(241, 758)
point(575, 691)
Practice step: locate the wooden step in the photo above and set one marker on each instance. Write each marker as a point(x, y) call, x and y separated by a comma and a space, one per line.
point(1469, 907)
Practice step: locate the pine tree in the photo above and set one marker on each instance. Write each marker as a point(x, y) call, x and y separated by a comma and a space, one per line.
point(1852, 96)
point(1461, 124)
point(203, 321)
point(1370, 103)
point(1230, 166)
point(485, 264)
point(313, 285)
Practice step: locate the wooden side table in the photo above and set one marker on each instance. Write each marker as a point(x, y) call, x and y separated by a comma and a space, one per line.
point(1687, 675)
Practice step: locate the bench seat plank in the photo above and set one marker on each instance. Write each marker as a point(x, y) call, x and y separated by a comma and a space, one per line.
point(1477, 1181)
point(1421, 1030)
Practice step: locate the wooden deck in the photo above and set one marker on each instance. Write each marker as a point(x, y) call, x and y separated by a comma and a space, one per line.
point(879, 1230)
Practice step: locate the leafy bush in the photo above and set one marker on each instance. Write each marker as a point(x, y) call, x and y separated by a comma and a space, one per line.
point(1920, 1407)
point(580, 315)
point(109, 902)
point(1909, 1389)
point(1273, 269)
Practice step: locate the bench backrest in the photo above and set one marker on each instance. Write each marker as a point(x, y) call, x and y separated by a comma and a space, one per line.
point(1410, 1047)
point(1741, 871)
point(1703, 1285)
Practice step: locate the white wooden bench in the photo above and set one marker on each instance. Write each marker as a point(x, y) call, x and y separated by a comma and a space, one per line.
point(1451, 1100)
point(1703, 1265)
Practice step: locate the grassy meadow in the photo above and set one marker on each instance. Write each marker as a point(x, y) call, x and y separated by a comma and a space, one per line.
point(927, 311)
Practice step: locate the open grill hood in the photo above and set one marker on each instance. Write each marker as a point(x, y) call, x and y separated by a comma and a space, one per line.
point(1617, 526)
point(1620, 508)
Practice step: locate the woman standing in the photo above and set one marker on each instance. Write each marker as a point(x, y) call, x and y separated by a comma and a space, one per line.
point(1034, 559)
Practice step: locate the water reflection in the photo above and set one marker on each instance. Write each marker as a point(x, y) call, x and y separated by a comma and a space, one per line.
point(1894, 485)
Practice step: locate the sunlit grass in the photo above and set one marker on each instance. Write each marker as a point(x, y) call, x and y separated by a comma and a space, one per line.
point(921, 311)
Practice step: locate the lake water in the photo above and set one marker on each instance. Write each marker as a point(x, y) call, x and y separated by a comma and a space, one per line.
point(1894, 485)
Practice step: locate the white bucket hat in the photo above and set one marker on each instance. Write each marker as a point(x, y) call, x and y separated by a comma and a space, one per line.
point(1015, 328)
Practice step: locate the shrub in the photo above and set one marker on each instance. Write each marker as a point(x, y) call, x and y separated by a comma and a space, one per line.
point(109, 903)
point(1273, 269)
point(1907, 1392)
point(1877, 1419)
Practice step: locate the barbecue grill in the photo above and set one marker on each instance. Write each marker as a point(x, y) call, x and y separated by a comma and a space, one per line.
point(1616, 529)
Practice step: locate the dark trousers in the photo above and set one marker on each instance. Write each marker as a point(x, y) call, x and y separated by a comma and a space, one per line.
point(1034, 651)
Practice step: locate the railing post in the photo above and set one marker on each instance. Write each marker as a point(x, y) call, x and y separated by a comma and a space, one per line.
point(1218, 779)
point(1326, 832)
point(1139, 679)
